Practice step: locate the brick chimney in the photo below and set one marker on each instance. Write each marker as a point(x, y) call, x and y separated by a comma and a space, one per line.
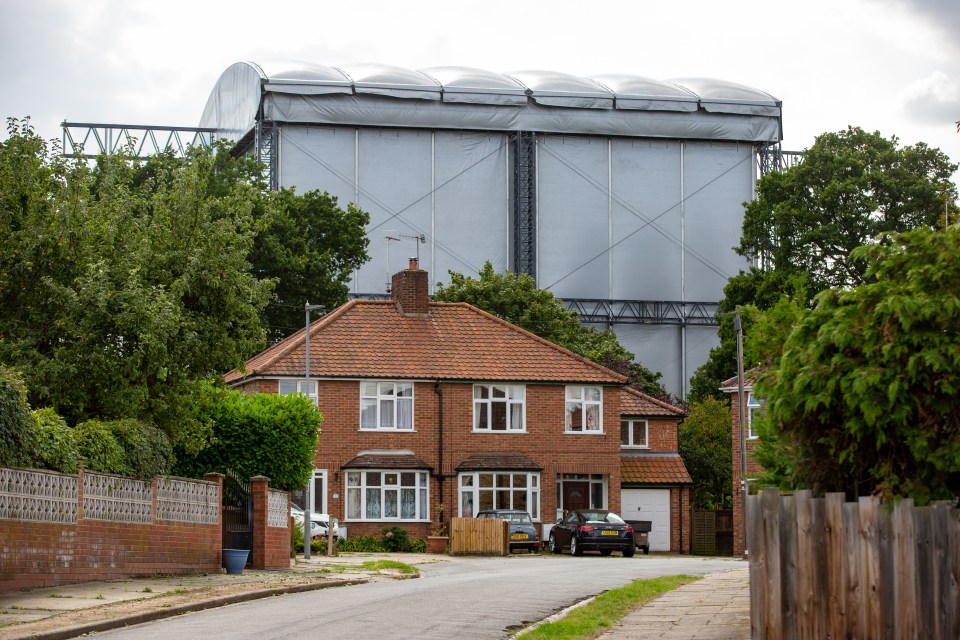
point(409, 290)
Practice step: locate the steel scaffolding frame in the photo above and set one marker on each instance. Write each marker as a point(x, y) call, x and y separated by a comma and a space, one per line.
point(770, 158)
point(116, 138)
point(525, 203)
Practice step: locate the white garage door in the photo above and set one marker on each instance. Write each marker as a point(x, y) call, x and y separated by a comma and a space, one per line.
point(652, 505)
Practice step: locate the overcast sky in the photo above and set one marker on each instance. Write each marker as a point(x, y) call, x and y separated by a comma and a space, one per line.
point(886, 65)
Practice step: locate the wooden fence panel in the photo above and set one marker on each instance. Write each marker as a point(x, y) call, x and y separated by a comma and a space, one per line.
point(788, 568)
point(487, 536)
point(904, 572)
point(824, 568)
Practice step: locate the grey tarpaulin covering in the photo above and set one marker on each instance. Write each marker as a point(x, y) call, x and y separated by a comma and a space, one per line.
point(638, 183)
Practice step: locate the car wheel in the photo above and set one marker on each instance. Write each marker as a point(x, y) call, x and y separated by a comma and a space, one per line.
point(575, 547)
point(629, 551)
point(606, 552)
point(554, 547)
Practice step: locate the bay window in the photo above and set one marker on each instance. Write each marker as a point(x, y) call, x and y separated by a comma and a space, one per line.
point(387, 495)
point(483, 490)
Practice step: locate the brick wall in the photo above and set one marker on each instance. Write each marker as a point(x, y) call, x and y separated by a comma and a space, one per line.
point(271, 545)
point(41, 554)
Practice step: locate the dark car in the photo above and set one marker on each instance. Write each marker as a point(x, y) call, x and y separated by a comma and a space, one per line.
point(592, 530)
point(523, 533)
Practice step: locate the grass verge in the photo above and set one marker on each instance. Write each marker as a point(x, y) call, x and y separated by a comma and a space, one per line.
point(380, 565)
point(598, 615)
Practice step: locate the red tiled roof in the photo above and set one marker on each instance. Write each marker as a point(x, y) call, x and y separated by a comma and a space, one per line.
point(507, 461)
point(653, 468)
point(749, 377)
point(635, 403)
point(456, 341)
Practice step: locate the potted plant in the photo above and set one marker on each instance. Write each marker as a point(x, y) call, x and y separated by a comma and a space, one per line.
point(438, 538)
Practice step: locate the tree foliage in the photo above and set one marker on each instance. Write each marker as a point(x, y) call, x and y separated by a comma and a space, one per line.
point(127, 287)
point(16, 422)
point(865, 397)
point(514, 297)
point(706, 449)
point(260, 434)
point(55, 447)
point(850, 187)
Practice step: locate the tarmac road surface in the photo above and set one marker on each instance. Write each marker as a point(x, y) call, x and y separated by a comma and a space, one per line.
point(462, 598)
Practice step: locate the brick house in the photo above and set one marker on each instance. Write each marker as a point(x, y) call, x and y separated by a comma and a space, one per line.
point(753, 407)
point(655, 482)
point(428, 404)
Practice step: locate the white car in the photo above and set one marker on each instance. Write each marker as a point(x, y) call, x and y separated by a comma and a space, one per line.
point(318, 522)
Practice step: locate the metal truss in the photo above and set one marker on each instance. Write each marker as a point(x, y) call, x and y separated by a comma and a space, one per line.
point(612, 312)
point(89, 140)
point(267, 139)
point(644, 312)
point(524, 203)
point(770, 158)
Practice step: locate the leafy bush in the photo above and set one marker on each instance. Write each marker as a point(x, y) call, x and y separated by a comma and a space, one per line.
point(259, 434)
point(16, 424)
point(126, 447)
point(97, 444)
point(395, 539)
point(147, 449)
point(361, 544)
point(418, 545)
point(55, 447)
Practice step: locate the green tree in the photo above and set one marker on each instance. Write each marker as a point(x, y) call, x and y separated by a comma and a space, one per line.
point(514, 297)
point(865, 397)
point(260, 434)
point(16, 422)
point(706, 446)
point(309, 247)
point(850, 187)
point(55, 447)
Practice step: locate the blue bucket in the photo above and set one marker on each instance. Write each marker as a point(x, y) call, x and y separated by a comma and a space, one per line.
point(235, 560)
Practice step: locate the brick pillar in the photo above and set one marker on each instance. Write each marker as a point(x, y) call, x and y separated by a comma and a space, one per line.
point(216, 552)
point(259, 489)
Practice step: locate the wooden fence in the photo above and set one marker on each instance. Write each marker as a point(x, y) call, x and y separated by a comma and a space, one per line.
point(490, 536)
point(712, 533)
point(825, 568)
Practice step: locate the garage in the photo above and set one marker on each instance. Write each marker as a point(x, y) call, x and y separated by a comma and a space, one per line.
point(652, 505)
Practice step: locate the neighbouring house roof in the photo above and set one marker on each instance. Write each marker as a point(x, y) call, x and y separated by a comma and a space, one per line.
point(506, 461)
point(730, 385)
point(653, 468)
point(386, 460)
point(454, 341)
point(636, 403)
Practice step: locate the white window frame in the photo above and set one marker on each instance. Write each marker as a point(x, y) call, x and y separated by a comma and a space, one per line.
point(300, 386)
point(754, 406)
point(502, 485)
point(632, 424)
point(578, 395)
point(361, 485)
point(599, 489)
point(381, 399)
point(514, 397)
point(319, 489)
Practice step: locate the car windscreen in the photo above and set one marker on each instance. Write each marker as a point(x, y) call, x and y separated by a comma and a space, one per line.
point(602, 516)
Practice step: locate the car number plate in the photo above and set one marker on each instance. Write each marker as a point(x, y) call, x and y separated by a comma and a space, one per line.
point(519, 536)
point(611, 533)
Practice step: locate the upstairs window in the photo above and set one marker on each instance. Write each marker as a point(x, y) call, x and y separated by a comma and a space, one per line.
point(498, 407)
point(286, 387)
point(584, 409)
point(633, 434)
point(386, 405)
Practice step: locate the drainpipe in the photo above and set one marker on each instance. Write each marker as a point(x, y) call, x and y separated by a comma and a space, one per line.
point(439, 392)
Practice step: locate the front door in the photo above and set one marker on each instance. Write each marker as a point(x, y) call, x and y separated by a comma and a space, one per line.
point(576, 496)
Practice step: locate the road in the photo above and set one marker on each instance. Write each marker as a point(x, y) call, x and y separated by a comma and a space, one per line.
point(462, 598)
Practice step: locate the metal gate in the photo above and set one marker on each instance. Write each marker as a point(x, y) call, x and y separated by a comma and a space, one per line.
point(237, 514)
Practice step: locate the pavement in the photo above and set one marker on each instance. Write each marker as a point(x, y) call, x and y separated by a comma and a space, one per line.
point(716, 607)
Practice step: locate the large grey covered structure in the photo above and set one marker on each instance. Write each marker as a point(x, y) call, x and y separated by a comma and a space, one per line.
point(621, 194)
